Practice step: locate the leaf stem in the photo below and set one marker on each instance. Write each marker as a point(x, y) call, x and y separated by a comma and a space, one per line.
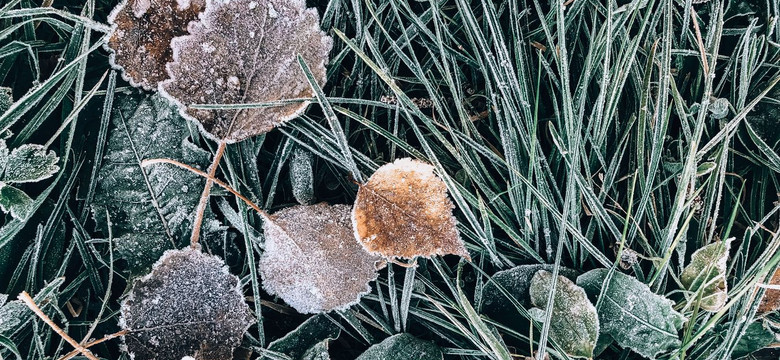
point(95, 342)
point(27, 300)
point(200, 211)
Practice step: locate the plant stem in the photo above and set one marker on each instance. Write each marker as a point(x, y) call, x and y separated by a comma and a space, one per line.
point(27, 300)
point(95, 342)
point(204, 197)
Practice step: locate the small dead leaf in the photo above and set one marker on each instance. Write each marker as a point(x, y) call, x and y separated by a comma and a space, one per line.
point(403, 211)
point(707, 274)
point(245, 51)
point(312, 260)
point(141, 42)
point(189, 305)
point(771, 300)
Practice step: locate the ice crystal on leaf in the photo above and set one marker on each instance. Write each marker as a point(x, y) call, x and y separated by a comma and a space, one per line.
point(189, 305)
point(403, 211)
point(312, 260)
point(246, 52)
point(141, 42)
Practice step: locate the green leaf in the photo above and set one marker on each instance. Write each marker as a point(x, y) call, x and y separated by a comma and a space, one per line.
point(516, 281)
point(757, 336)
point(30, 163)
point(632, 314)
point(14, 201)
point(15, 315)
point(302, 176)
point(309, 334)
point(574, 322)
point(150, 208)
point(707, 273)
point(3, 156)
point(317, 352)
point(402, 346)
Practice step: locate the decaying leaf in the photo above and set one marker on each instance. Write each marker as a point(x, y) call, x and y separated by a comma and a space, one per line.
point(707, 273)
point(632, 314)
point(402, 346)
point(189, 305)
point(771, 300)
point(245, 51)
point(141, 42)
point(312, 260)
point(403, 211)
point(574, 324)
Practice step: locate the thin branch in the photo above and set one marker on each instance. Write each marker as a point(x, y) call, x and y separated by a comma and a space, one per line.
point(25, 297)
point(95, 342)
point(204, 197)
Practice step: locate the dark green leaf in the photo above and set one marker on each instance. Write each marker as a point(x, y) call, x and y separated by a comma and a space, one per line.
point(30, 163)
point(757, 336)
point(15, 201)
point(402, 346)
point(312, 332)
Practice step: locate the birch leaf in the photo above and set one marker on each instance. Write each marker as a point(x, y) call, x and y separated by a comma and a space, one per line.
point(189, 305)
point(403, 211)
point(771, 300)
point(312, 260)
point(632, 314)
point(707, 273)
point(245, 51)
point(140, 44)
point(402, 346)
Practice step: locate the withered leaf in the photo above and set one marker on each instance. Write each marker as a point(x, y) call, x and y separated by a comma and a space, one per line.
point(403, 211)
point(245, 51)
point(141, 42)
point(771, 300)
point(707, 274)
point(189, 305)
point(312, 260)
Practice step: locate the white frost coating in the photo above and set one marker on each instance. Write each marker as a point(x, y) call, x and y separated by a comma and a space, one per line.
point(183, 4)
point(140, 7)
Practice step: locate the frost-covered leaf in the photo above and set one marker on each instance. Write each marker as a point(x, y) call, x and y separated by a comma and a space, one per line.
point(707, 273)
point(312, 332)
point(6, 99)
point(14, 201)
point(30, 163)
point(574, 324)
point(516, 281)
point(141, 41)
point(402, 346)
point(317, 352)
point(302, 176)
point(403, 211)
point(312, 260)
point(771, 300)
point(244, 51)
point(15, 315)
point(757, 336)
point(632, 314)
point(150, 208)
point(189, 305)
point(3, 156)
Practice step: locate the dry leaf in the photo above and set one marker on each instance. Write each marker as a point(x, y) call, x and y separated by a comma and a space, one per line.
point(141, 42)
point(189, 305)
point(403, 211)
point(312, 260)
point(771, 300)
point(245, 51)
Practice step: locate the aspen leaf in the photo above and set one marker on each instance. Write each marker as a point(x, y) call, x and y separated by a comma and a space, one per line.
point(140, 44)
point(312, 260)
point(707, 273)
point(189, 305)
point(771, 300)
point(574, 322)
point(403, 211)
point(245, 51)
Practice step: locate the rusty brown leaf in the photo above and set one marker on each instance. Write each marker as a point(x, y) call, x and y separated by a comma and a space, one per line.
point(141, 42)
point(312, 260)
point(403, 212)
point(771, 300)
point(245, 51)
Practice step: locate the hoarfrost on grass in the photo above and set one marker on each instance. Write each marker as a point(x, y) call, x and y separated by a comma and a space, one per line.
point(312, 260)
point(189, 305)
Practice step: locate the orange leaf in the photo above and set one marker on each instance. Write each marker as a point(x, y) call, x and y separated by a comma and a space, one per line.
point(771, 300)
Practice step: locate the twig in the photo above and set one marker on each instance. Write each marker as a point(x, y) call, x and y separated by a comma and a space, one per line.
point(204, 197)
point(222, 184)
point(95, 342)
point(25, 297)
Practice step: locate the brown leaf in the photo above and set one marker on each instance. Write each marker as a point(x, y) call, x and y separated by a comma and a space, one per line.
point(403, 211)
point(141, 42)
point(771, 300)
point(245, 51)
point(312, 260)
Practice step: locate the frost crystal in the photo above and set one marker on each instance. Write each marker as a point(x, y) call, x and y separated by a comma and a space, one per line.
point(403, 211)
point(189, 305)
point(143, 29)
point(246, 52)
point(312, 260)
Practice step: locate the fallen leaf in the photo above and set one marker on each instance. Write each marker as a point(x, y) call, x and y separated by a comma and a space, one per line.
point(245, 51)
point(771, 300)
point(403, 211)
point(707, 273)
point(189, 305)
point(140, 44)
point(402, 346)
point(312, 260)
